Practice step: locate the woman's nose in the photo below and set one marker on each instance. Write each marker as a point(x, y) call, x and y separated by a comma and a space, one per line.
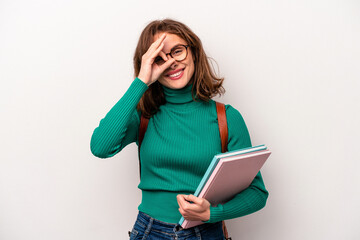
point(174, 65)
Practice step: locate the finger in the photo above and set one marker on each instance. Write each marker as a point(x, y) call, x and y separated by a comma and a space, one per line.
point(153, 47)
point(166, 65)
point(178, 199)
point(198, 205)
point(163, 55)
point(183, 213)
point(181, 201)
point(186, 206)
point(192, 198)
point(193, 208)
point(157, 51)
point(197, 200)
point(158, 41)
point(190, 207)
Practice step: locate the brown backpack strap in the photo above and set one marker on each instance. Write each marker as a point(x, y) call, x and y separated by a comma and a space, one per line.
point(222, 122)
point(142, 129)
point(226, 234)
point(221, 113)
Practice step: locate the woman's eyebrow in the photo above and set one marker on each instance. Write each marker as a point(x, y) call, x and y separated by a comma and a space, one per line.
point(179, 44)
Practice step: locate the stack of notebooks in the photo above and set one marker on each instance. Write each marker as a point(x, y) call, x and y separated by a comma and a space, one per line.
point(227, 175)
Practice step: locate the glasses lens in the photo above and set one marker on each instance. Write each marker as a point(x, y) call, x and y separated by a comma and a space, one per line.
point(179, 53)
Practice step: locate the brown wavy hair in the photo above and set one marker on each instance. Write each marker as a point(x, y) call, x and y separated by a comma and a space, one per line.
point(205, 82)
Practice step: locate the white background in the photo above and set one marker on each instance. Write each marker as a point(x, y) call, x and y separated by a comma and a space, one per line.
point(291, 69)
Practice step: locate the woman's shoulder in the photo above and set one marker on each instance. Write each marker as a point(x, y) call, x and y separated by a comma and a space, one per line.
point(238, 133)
point(233, 115)
point(231, 110)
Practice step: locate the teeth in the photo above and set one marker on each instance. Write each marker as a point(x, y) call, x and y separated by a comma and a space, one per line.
point(176, 74)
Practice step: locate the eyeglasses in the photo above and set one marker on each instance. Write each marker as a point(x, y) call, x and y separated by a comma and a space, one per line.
point(179, 53)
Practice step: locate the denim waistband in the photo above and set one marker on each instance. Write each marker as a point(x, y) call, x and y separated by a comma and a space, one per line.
point(171, 229)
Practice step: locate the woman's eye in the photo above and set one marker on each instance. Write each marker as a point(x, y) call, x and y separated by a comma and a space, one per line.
point(158, 60)
point(177, 51)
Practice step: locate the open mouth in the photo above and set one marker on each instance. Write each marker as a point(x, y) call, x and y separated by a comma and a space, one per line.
point(176, 74)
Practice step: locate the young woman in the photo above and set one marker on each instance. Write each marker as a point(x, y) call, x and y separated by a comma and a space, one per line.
point(173, 87)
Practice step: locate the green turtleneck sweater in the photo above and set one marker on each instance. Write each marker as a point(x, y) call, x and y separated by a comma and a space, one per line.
point(179, 143)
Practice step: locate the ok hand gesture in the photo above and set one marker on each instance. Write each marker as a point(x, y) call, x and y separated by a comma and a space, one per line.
point(150, 71)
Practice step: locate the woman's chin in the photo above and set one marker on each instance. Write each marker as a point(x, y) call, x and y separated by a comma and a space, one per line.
point(175, 84)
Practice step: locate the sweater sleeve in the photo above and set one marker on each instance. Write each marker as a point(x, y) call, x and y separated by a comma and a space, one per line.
point(254, 197)
point(120, 126)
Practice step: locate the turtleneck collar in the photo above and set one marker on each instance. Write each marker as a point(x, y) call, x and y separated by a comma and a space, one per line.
point(178, 96)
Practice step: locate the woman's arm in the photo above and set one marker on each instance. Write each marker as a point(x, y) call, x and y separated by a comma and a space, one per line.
point(254, 197)
point(248, 201)
point(120, 126)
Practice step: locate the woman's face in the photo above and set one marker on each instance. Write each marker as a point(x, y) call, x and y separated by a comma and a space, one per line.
point(179, 74)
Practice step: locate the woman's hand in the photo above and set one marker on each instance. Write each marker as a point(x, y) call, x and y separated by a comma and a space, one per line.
point(150, 71)
point(198, 210)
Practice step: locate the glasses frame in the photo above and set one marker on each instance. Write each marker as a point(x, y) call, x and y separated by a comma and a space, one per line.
point(183, 45)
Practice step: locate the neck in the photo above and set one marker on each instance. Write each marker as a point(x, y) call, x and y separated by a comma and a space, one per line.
point(178, 96)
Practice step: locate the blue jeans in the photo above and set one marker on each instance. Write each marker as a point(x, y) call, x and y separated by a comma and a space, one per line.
point(149, 228)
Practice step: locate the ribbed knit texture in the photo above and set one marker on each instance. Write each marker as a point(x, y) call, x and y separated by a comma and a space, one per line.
point(180, 141)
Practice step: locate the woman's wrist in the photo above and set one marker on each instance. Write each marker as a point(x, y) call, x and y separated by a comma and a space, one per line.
point(143, 79)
